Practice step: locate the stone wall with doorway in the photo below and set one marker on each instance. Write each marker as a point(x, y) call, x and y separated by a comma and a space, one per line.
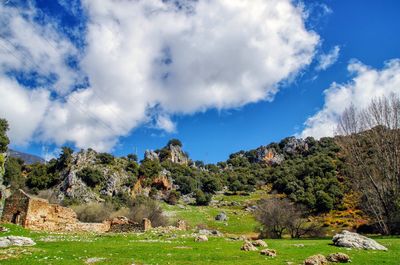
point(16, 209)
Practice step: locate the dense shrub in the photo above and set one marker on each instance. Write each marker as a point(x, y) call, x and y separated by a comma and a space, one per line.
point(92, 177)
point(4, 141)
point(13, 173)
point(175, 142)
point(147, 208)
point(173, 197)
point(211, 185)
point(202, 198)
point(94, 212)
point(105, 158)
point(149, 169)
point(39, 178)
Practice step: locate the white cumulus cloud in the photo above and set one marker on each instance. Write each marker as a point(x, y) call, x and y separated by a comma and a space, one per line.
point(327, 59)
point(367, 84)
point(151, 59)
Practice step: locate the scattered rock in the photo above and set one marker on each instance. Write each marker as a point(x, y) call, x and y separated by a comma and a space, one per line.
point(210, 232)
point(248, 246)
point(268, 252)
point(316, 260)
point(260, 243)
point(4, 229)
point(353, 240)
point(221, 217)
point(338, 257)
point(299, 245)
point(201, 238)
point(93, 260)
point(19, 241)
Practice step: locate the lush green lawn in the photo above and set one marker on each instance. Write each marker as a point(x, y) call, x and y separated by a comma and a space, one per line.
point(158, 248)
point(179, 247)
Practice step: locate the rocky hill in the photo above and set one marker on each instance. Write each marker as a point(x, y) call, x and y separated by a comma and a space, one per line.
point(76, 183)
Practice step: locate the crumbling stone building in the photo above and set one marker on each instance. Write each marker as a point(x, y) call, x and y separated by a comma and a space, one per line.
point(38, 214)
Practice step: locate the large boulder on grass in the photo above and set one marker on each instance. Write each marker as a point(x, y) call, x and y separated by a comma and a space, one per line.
point(248, 246)
point(353, 240)
point(9, 241)
point(316, 260)
point(221, 217)
point(338, 257)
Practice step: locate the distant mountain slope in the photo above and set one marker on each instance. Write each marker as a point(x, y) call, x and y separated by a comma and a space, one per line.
point(27, 158)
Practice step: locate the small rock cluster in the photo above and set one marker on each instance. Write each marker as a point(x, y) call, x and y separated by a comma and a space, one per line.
point(252, 246)
point(320, 259)
point(268, 252)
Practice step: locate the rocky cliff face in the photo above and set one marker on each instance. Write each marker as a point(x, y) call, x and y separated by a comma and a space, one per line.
point(175, 154)
point(73, 187)
point(269, 155)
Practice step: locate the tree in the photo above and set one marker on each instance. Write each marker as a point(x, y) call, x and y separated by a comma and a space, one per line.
point(132, 157)
point(65, 158)
point(278, 216)
point(13, 173)
point(202, 198)
point(39, 178)
point(150, 169)
point(4, 141)
point(175, 142)
point(211, 185)
point(370, 142)
point(105, 158)
point(92, 177)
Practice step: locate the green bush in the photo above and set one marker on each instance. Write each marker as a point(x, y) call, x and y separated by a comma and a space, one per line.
point(211, 185)
point(39, 178)
point(105, 158)
point(173, 197)
point(174, 142)
point(92, 177)
point(4, 141)
point(202, 198)
point(13, 173)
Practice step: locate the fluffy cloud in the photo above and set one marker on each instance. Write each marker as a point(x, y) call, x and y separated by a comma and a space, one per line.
point(367, 84)
point(326, 60)
point(146, 60)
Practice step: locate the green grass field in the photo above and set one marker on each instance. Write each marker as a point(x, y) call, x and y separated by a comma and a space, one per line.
point(155, 247)
point(158, 248)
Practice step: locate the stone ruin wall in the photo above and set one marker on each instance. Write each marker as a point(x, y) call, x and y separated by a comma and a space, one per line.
point(39, 214)
point(18, 203)
point(49, 217)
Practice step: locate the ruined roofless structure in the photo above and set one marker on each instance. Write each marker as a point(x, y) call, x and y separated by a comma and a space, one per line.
point(38, 214)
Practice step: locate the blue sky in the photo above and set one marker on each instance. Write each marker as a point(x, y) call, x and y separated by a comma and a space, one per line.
point(130, 81)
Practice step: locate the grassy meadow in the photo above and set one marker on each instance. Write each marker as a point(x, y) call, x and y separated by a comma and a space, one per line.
point(179, 247)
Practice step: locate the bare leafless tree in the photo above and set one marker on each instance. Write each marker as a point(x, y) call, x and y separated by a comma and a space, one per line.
point(280, 216)
point(370, 142)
